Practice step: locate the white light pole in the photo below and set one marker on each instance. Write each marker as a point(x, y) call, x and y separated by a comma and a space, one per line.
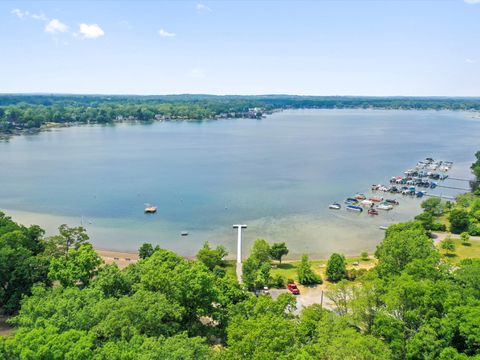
point(239, 251)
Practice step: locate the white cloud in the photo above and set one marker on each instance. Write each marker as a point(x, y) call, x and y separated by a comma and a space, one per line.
point(55, 26)
point(165, 34)
point(39, 17)
point(203, 8)
point(19, 13)
point(470, 61)
point(26, 14)
point(472, 1)
point(91, 31)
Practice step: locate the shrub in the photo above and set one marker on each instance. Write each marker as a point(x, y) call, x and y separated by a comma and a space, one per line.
point(474, 229)
point(353, 274)
point(448, 245)
point(459, 221)
point(433, 205)
point(438, 227)
point(277, 281)
point(465, 237)
point(306, 276)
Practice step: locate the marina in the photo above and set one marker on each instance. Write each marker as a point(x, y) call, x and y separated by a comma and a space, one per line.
point(412, 184)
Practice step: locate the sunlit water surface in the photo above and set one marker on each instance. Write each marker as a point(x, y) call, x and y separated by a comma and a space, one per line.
point(277, 175)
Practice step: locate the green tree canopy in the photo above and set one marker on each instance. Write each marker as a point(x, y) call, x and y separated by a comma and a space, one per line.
point(78, 266)
point(403, 243)
point(21, 262)
point(459, 221)
point(212, 257)
point(278, 250)
point(433, 205)
point(448, 245)
point(67, 239)
point(306, 275)
point(336, 267)
point(260, 252)
point(145, 251)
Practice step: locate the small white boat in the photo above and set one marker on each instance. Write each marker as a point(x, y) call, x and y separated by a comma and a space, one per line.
point(150, 209)
point(184, 233)
point(335, 206)
point(383, 227)
point(384, 206)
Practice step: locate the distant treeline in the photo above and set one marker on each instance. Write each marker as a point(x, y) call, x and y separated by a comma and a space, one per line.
point(20, 112)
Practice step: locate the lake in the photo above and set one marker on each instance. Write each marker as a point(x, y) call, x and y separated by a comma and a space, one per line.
point(277, 175)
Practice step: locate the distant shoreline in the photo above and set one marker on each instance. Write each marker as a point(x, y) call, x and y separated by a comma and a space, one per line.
point(28, 114)
point(52, 125)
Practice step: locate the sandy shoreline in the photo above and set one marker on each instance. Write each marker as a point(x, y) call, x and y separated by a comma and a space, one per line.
point(121, 258)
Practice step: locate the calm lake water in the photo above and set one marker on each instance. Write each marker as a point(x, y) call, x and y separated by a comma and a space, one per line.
point(277, 175)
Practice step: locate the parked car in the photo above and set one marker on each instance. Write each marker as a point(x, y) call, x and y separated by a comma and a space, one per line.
point(293, 289)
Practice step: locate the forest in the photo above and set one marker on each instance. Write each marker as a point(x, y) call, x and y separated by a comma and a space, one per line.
point(30, 112)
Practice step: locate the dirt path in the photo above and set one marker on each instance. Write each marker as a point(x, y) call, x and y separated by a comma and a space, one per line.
point(5, 329)
point(439, 236)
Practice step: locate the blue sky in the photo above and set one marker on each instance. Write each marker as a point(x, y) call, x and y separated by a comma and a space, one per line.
point(241, 47)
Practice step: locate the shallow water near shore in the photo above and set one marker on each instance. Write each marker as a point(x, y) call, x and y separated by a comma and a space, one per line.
point(277, 175)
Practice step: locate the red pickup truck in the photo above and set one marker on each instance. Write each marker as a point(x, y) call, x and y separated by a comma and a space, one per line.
point(293, 289)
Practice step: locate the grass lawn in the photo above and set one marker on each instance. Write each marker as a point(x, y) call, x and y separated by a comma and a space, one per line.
point(288, 269)
point(231, 268)
point(461, 252)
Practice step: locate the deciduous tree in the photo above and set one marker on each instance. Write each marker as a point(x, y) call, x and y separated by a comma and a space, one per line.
point(336, 268)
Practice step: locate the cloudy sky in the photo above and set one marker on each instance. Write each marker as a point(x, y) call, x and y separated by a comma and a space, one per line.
point(241, 47)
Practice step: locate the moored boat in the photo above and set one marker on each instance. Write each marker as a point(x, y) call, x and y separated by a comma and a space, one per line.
point(392, 202)
point(335, 206)
point(351, 201)
point(150, 209)
point(384, 206)
point(366, 203)
point(354, 208)
point(372, 212)
point(375, 198)
point(360, 196)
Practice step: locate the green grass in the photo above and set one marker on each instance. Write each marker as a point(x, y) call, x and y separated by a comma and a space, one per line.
point(461, 252)
point(231, 268)
point(289, 269)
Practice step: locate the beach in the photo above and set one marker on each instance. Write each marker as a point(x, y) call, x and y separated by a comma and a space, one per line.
point(121, 258)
